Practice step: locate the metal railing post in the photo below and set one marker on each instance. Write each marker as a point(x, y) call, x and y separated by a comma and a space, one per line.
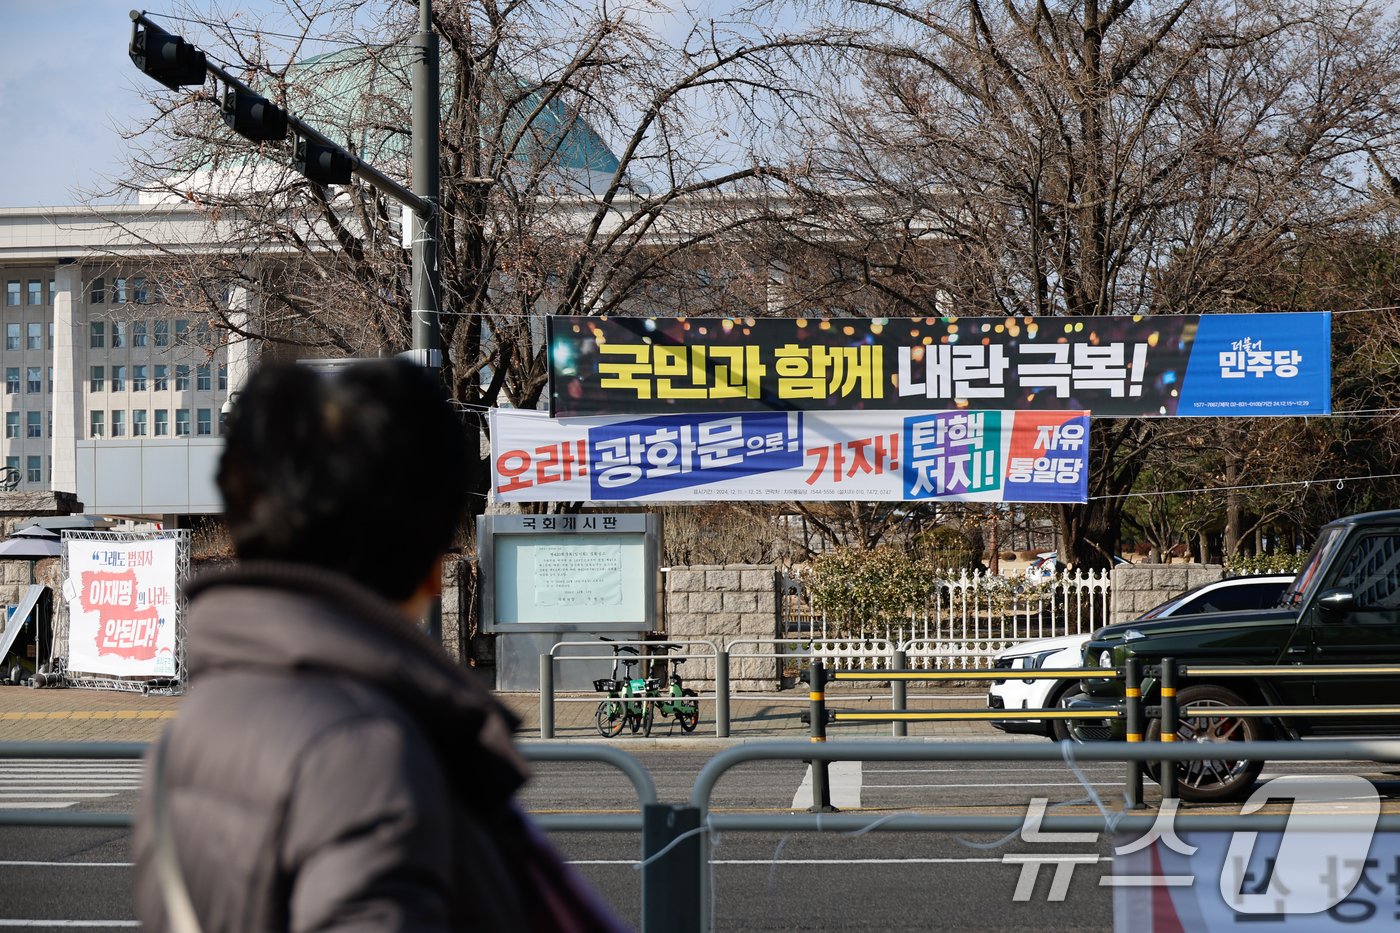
point(899, 691)
point(821, 784)
point(547, 695)
point(1167, 733)
point(1132, 692)
point(671, 897)
point(722, 692)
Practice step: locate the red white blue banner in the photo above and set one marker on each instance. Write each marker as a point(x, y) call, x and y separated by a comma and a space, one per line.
point(961, 456)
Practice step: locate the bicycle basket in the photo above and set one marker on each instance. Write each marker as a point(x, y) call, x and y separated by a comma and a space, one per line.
point(606, 685)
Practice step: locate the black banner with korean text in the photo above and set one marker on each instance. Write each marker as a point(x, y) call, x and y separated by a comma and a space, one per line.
point(1156, 366)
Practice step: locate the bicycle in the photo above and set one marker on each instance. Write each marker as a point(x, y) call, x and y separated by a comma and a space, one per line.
point(685, 711)
point(625, 706)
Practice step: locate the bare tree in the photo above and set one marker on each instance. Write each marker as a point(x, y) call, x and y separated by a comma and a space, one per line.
point(1096, 158)
point(589, 165)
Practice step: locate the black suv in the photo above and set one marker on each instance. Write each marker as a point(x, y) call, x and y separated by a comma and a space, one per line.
point(1342, 608)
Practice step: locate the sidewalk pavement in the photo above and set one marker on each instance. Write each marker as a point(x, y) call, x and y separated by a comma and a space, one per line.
point(81, 715)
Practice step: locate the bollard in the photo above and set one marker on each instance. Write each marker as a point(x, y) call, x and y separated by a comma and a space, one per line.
point(722, 693)
point(899, 692)
point(671, 898)
point(547, 696)
point(1169, 726)
point(821, 784)
point(1132, 693)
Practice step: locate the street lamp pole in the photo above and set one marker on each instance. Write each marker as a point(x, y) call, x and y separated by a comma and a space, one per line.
point(427, 291)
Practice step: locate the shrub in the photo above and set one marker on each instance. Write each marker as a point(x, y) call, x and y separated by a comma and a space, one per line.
point(1264, 563)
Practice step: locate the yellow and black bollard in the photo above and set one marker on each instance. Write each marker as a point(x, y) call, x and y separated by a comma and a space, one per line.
point(1132, 693)
point(821, 781)
point(1167, 733)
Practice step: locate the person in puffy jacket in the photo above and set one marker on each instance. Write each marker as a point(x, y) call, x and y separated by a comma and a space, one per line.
point(331, 768)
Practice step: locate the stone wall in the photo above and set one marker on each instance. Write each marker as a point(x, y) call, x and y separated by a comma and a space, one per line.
point(1139, 587)
point(722, 603)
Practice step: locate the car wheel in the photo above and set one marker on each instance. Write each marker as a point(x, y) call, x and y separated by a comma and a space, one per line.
point(1218, 779)
point(1060, 728)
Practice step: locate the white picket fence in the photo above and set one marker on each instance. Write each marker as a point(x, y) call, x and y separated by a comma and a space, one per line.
point(972, 616)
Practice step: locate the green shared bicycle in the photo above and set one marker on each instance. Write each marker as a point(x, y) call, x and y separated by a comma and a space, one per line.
point(625, 707)
point(682, 704)
point(634, 702)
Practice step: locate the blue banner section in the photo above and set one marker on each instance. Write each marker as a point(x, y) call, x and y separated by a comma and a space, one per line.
point(950, 454)
point(632, 459)
point(1259, 364)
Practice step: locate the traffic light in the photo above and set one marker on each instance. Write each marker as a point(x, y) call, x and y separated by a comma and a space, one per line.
point(253, 116)
point(325, 165)
point(169, 59)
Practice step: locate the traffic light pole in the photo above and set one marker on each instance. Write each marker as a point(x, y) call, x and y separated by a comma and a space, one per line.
point(427, 333)
point(173, 62)
point(363, 170)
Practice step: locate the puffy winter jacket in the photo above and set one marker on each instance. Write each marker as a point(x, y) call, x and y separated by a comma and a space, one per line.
point(333, 769)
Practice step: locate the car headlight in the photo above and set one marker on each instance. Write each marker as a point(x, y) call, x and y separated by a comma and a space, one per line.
point(1106, 659)
point(1029, 662)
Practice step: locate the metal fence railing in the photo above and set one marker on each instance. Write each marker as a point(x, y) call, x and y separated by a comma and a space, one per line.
point(969, 617)
point(675, 838)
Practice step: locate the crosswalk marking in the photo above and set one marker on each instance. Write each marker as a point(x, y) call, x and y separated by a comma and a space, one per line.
point(843, 786)
point(56, 784)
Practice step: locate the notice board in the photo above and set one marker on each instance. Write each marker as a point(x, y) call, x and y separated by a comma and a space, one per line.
point(569, 573)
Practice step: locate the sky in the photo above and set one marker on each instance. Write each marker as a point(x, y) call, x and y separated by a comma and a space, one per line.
point(66, 86)
point(67, 89)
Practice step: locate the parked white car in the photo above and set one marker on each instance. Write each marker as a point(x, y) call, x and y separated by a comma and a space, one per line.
point(1228, 595)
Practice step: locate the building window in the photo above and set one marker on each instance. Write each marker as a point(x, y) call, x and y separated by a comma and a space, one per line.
point(201, 377)
point(201, 334)
point(35, 470)
point(119, 291)
point(138, 334)
point(95, 423)
point(162, 377)
point(11, 380)
point(33, 380)
point(36, 291)
point(118, 378)
point(223, 377)
point(98, 332)
point(162, 333)
point(118, 334)
point(182, 331)
point(118, 423)
point(138, 423)
point(12, 424)
point(138, 378)
point(97, 292)
point(204, 423)
point(11, 336)
point(98, 378)
point(12, 294)
point(34, 337)
point(139, 294)
point(182, 378)
point(50, 335)
point(53, 291)
point(12, 463)
point(33, 424)
point(162, 422)
point(50, 434)
point(182, 422)
point(50, 380)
